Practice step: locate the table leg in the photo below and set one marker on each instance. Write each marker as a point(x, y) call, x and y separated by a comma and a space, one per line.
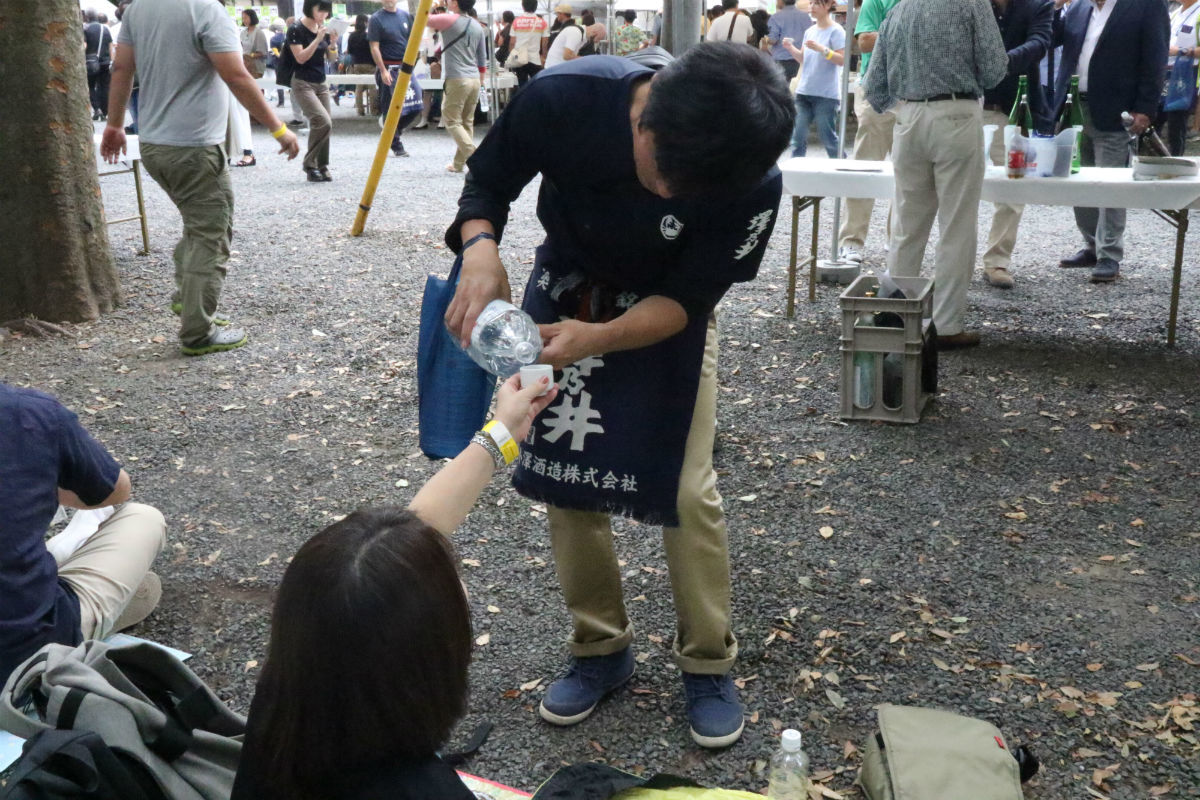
point(791, 290)
point(812, 254)
point(141, 201)
point(1181, 226)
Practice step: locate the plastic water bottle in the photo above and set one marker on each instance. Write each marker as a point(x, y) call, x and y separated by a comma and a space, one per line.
point(504, 339)
point(789, 769)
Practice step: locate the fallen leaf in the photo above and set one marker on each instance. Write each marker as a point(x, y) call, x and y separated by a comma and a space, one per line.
point(1150, 667)
point(251, 665)
point(1017, 515)
point(848, 749)
point(471, 562)
point(1187, 660)
point(897, 636)
point(1100, 775)
point(483, 640)
point(825, 531)
point(942, 665)
point(941, 633)
point(838, 701)
point(1095, 667)
point(529, 686)
point(748, 498)
point(493, 610)
point(1087, 752)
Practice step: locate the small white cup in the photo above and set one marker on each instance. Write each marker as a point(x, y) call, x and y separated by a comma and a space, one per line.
point(534, 373)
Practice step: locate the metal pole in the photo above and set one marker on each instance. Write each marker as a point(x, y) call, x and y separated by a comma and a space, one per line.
point(681, 25)
point(399, 89)
point(842, 117)
point(493, 101)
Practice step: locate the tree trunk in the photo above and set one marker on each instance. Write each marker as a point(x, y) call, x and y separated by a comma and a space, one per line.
point(56, 263)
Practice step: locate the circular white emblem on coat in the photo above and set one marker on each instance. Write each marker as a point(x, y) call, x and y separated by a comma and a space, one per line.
point(670, 227)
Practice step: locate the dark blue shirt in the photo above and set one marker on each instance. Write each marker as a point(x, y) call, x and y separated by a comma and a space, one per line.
point(42, 447)
point(571, 124)
point(390, 29)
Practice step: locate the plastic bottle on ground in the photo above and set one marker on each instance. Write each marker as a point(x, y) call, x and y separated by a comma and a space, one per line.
point(789, 769)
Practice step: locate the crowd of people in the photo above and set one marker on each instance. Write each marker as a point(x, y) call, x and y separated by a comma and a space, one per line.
point(691, 179)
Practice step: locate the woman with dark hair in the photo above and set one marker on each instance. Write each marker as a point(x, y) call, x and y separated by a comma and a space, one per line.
point(504, 36)
point(310, 45)
point(361, 63)
point(366, 672)
point(758, 22)
point(593, 34)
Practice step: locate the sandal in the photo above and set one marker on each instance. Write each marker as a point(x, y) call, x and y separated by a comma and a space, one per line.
point(244, 163)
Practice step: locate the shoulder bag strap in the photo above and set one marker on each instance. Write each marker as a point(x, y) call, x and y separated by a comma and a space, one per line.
point(732, 22)
point(461, 35)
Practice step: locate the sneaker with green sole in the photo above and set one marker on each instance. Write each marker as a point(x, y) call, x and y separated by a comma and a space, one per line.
point(218, 320)
point(222, 340)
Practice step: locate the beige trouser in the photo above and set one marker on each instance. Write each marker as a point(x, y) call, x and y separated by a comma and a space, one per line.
point(197, 181)
point(938, 157)
point(459, 98)
point(873, 142)
point(697, 557)
point(313, 99)
point(107, 569)
point(1003, 235)
point(370, 91)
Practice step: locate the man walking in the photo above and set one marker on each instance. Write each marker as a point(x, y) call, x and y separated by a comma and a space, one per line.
point(388, 34)
point(1026, 27)
point(934, 74)
point(182, 50)
point(1118, 50)
point(690, 181)
point(788, 22)
point(873, 139)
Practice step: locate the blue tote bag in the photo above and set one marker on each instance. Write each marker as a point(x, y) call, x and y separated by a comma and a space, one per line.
point(454, 392)
point(1181, 85)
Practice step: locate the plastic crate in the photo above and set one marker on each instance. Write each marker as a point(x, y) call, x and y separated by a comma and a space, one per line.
point(874, 386)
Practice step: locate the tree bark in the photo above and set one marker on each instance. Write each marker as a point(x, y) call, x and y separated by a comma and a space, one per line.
point(56, 263)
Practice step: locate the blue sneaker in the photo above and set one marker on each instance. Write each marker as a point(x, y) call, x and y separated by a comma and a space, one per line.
point(574, 696)
point(713, 709)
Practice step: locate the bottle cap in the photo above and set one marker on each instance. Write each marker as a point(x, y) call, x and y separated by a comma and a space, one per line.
point(791, 740)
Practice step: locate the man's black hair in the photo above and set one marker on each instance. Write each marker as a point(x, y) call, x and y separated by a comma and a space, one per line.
point(629, 14)
point(728, 4)
point(721, 114)
point(789, 2)
point(530, 6)
point(312, 5)
point(465, 6)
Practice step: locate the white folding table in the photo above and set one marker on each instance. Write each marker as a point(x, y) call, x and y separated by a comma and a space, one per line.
point(809, 180)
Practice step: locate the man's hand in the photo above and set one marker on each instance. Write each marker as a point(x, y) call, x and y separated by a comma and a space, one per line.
point(385, 75)
point(289, 144)
point(1140, 123)
point(112, 143)
point(564, 343)
point(481, 281)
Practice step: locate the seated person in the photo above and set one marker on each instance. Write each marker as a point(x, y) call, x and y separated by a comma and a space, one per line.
point(366, 670)
point(47, 459)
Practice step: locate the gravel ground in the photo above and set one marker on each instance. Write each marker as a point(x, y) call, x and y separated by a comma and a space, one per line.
point(1027, 554)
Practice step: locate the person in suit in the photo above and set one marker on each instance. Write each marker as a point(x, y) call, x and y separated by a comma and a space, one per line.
point(1118, 49)
point(1026, 27)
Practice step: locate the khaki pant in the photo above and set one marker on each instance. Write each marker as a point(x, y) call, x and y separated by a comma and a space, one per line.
point(197, 181)
point(873, 142)
point(938, 157)
point(697, 557)
point(1003, 235)
point(459, 98)
point(313, 99)
point(371, 93)
point(107, 569)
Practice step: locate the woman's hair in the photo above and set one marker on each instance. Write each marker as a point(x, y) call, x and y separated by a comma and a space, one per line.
point(312, 5)
point(370, 644)
point(360, 22)
point(252, 15)
point(588, 17)
point(508, 17)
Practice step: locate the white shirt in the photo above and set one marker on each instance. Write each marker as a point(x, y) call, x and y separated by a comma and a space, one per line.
point(569, 38)
point(718, 31)
point(1095, 27)
point(1184, 18)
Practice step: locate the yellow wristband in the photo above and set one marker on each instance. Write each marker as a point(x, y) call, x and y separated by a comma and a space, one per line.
point(282, 130)
point(828, 53)
point(503, 439)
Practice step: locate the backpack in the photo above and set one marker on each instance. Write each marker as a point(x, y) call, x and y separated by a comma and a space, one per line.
point(167, 728)
point(70, 765)
point(285, 65)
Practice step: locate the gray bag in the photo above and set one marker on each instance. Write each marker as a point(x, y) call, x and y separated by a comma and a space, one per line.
point(927, 754)
point(142, 701)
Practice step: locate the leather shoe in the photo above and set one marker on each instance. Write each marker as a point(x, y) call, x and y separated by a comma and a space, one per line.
point(1105, 271)
point(314, 175)
point(999, 277)
point(956, 341)
point(1083, 258)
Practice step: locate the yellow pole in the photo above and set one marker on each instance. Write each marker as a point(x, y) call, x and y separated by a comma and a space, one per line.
point(393, 115)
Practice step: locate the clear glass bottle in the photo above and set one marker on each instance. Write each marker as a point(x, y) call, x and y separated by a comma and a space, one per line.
point(504, 339)
point(789, 769)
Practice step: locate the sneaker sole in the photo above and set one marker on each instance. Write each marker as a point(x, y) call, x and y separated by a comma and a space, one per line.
point(1105, 279)
point(574, 719)
point(213, 348)
point(715, 742)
